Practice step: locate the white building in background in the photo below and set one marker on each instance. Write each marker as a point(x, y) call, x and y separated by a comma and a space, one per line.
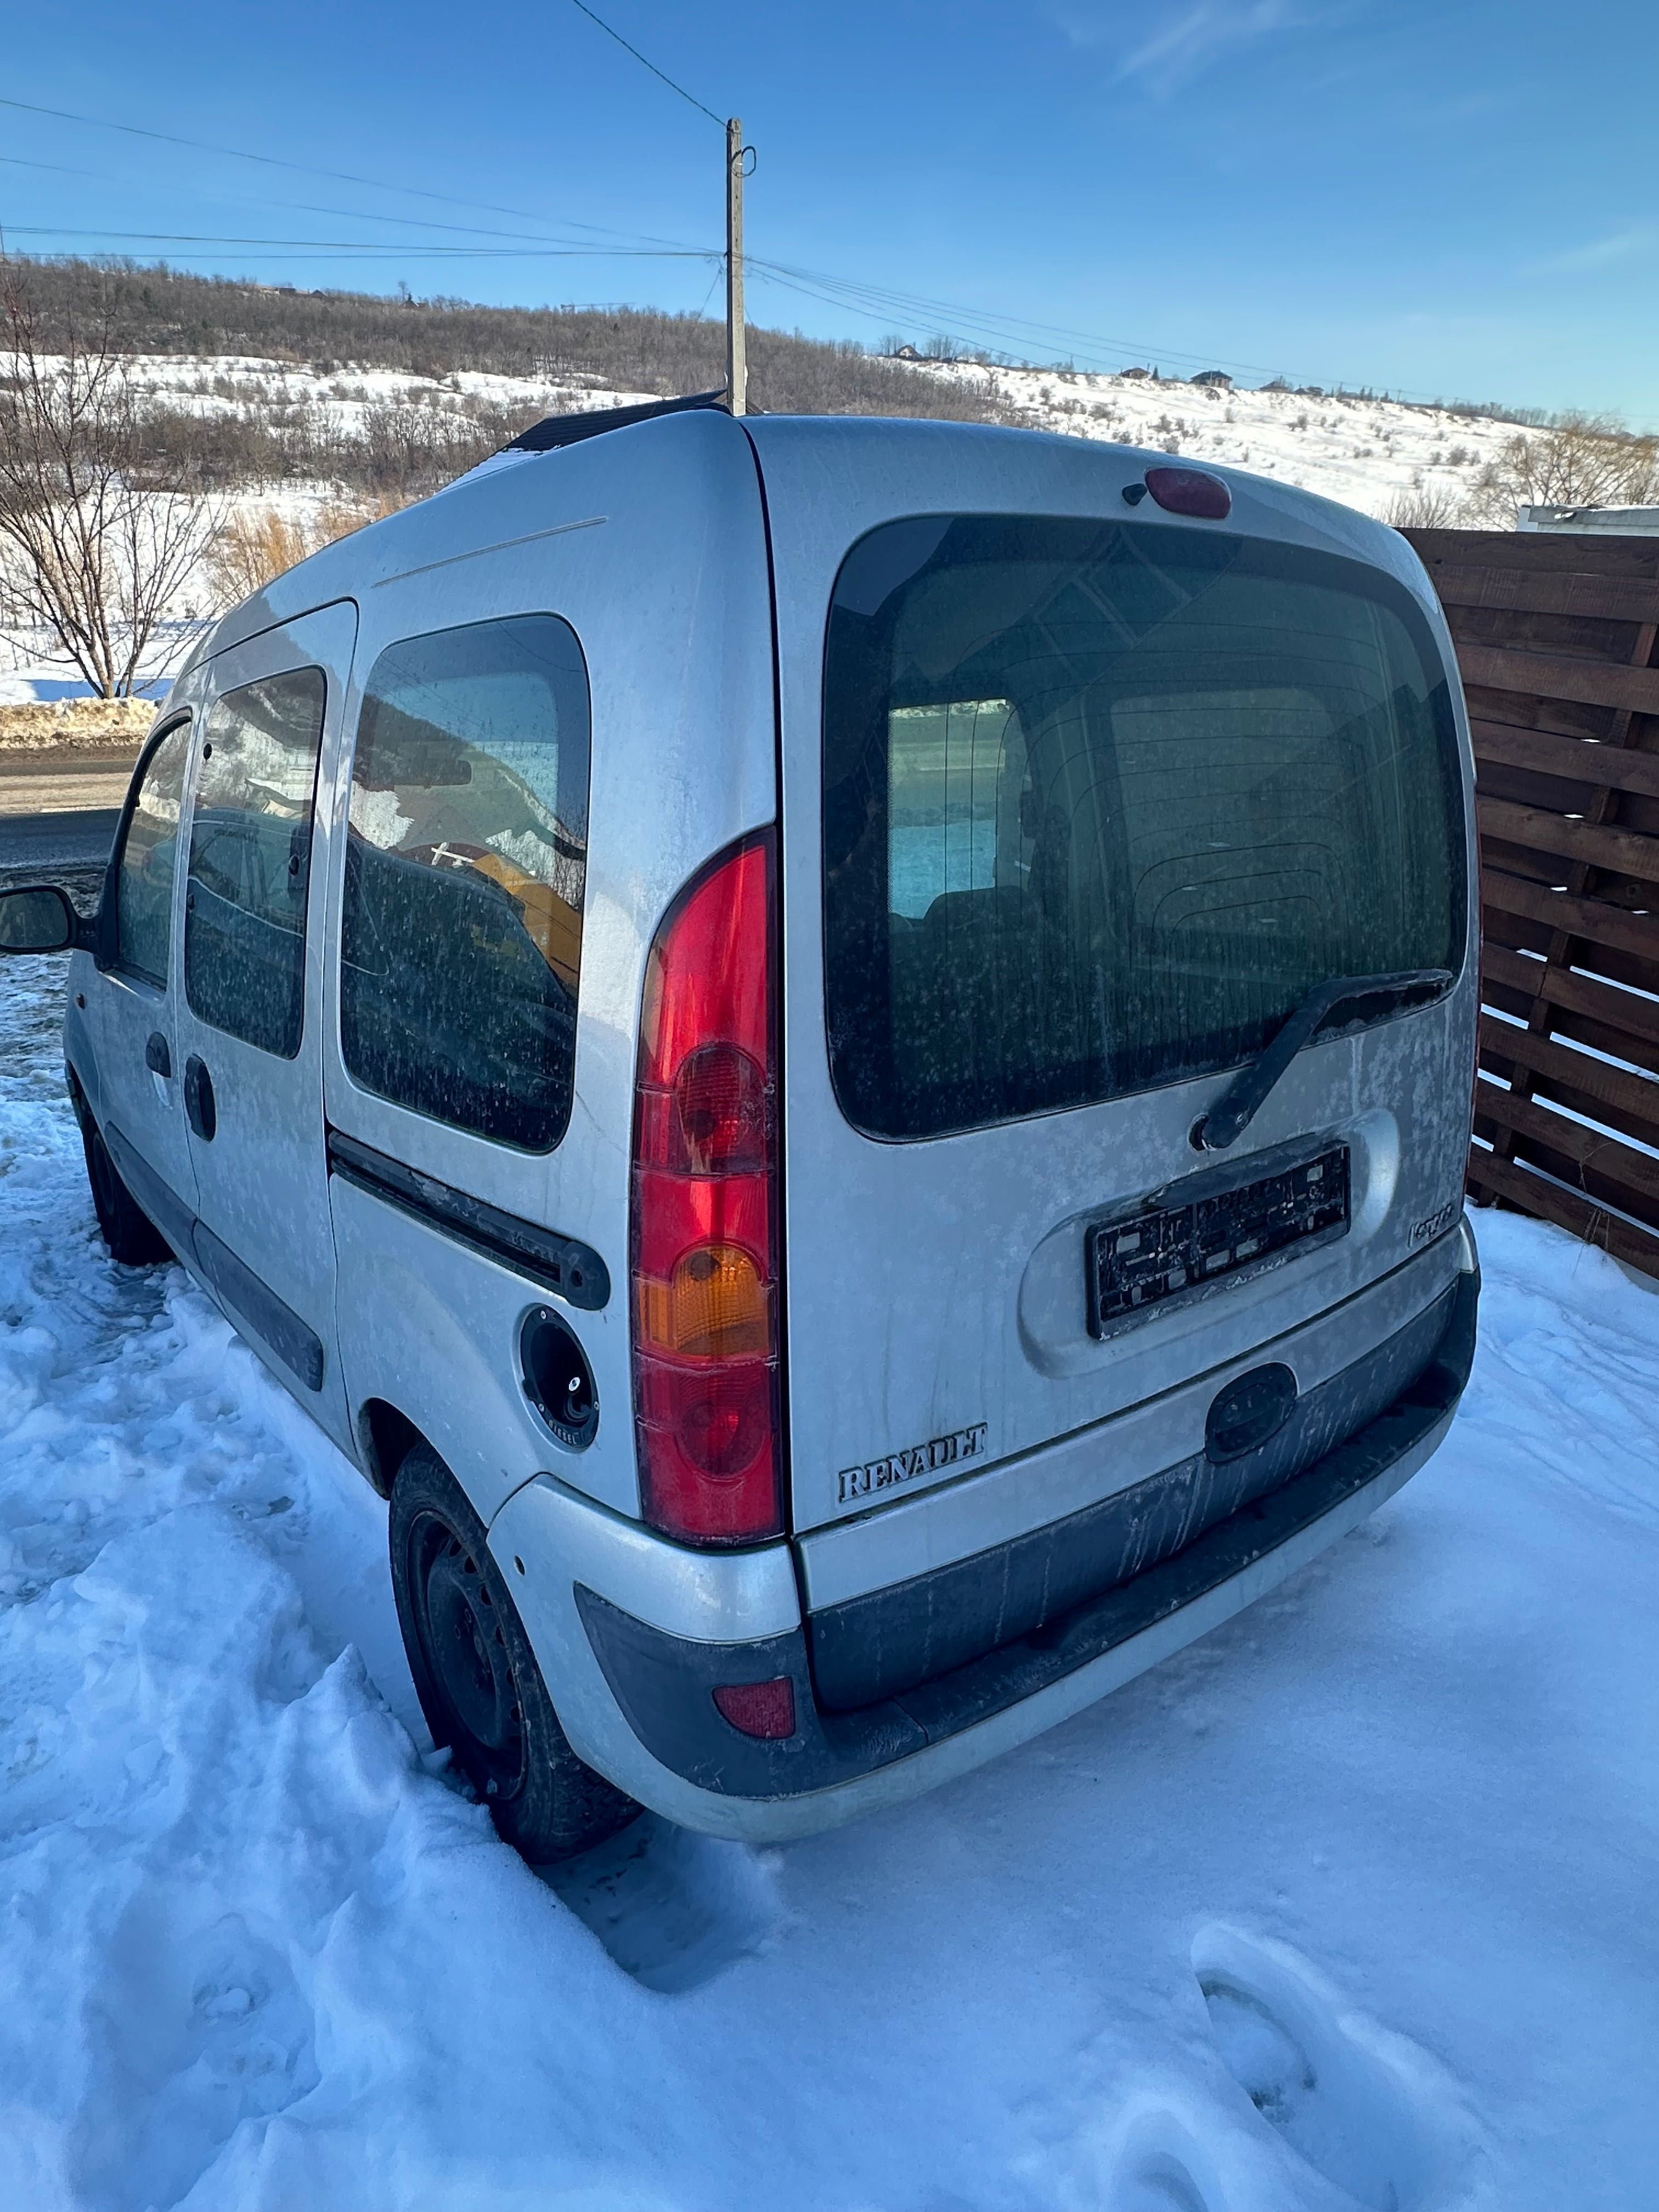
point(1596, 521)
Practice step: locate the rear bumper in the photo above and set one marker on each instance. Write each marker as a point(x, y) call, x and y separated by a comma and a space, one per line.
point(635, 1694)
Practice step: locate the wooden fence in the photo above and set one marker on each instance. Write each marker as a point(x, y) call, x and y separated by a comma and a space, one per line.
point(1558, 639)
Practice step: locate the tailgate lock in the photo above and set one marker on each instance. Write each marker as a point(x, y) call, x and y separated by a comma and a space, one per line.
point(1249, 1412)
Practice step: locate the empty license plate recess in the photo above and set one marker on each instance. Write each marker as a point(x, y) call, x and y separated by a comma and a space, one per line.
point(1132, 1264)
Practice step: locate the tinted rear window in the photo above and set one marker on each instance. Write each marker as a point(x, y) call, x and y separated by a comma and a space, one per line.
point(1103, 804)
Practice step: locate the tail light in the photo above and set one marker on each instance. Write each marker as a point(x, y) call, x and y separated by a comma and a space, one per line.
point(705, 1213)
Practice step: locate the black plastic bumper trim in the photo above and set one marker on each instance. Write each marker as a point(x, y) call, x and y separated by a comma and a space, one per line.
point(664, 1683)
point(886, 1642)
point(564, 1265)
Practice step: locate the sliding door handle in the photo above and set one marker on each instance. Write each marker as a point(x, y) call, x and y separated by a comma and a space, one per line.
point(157, 1056)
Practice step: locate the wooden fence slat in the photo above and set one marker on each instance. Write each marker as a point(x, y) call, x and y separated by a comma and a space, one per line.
point(1540, 552)
point(1634, 1175)
point(1576, 760)
point(1522, 710)
point(1559, 676)
point(1623, 1010)
point(1630, 851)
point(1610, 1090)
point(1569, 591)
point(1638, 1248)
point(1585, 917)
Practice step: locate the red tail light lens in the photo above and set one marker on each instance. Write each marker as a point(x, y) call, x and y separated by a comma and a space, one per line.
point(705, 1236)
point(766, 1710)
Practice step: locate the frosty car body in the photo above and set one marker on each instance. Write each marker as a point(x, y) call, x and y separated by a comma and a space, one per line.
point(693, 558)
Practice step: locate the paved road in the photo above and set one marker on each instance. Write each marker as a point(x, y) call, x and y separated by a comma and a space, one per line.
point(58, 840)
point(71, 849)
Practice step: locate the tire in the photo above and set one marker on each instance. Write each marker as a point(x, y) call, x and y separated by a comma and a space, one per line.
point(477, 1677)
point(132, 1238)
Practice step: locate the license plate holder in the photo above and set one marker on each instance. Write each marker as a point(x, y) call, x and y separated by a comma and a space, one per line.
point(1175, 1249)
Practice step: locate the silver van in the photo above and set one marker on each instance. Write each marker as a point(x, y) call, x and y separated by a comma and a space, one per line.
point(838, 1053)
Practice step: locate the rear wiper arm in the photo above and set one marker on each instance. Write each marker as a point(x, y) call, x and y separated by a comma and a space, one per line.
point(1242, 1099)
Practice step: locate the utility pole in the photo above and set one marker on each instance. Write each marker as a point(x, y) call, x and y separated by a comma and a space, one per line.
point(737, 365)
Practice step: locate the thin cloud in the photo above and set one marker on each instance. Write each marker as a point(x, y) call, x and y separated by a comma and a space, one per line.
point(1200, 34)
point(1601, 252)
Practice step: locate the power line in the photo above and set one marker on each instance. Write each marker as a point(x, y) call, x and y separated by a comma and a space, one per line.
point(869, 299)
point(534, 251)
point(300, 168)
point(651, 65)
point(365, 215)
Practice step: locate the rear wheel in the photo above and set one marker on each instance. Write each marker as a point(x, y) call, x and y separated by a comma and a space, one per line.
point(477, 1677)
point(132, 1238)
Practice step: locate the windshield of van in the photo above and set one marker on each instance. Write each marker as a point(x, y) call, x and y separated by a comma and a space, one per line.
point(1103, 804)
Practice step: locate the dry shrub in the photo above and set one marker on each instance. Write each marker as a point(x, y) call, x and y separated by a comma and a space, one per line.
point(1425, 508)
point(251, 549)
point(258, 544)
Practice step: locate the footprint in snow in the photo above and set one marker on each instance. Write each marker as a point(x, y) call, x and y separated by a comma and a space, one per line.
point(199, 2027)
point(1158, 2168)
point(1363, 2107)
point(1160, 2184)
point(672, 1908)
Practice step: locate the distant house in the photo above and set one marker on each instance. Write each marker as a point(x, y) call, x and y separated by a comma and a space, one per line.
point(1128, 372)
point(905, 353)
point(1216, 379)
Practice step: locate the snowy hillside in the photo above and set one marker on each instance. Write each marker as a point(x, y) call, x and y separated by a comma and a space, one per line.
point(1348, 1906)
point(1365, 452)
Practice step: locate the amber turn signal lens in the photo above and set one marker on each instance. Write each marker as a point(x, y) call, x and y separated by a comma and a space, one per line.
point(713, 1306)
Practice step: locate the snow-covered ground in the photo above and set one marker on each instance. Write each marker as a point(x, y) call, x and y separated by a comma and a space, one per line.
point(1349, 1904)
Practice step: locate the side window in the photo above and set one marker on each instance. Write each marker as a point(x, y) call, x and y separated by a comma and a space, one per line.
point(460, 943)
point(250, 861)
point(149, 860)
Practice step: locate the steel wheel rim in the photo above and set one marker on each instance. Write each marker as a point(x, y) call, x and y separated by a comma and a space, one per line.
point(467, 1662)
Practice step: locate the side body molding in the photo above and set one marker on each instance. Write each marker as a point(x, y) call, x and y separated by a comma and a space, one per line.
point(296, 1344)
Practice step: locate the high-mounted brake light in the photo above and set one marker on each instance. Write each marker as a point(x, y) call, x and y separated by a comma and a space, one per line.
point(1190, 491)
point(705, 1215)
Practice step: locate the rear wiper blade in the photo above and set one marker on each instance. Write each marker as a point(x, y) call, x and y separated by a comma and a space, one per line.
point(1242, 1099)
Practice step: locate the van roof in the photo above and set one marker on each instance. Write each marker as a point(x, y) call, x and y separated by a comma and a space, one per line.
point(383, 548)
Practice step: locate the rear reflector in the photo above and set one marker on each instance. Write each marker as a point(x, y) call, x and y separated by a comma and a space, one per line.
point(762, 1709)
point(705, 1234)
point(1190, 491)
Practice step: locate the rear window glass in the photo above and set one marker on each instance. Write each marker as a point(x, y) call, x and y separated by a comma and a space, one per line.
point(1103, 804)
point(465, 866)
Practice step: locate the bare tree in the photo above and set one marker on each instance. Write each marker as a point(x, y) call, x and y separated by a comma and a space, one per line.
point(97, 535)
point(1580, 460)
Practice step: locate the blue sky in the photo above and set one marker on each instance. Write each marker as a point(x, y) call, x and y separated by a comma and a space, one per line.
point(1448, 200)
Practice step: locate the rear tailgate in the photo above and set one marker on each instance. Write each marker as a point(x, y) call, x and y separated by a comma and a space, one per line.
point(1098, 797)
